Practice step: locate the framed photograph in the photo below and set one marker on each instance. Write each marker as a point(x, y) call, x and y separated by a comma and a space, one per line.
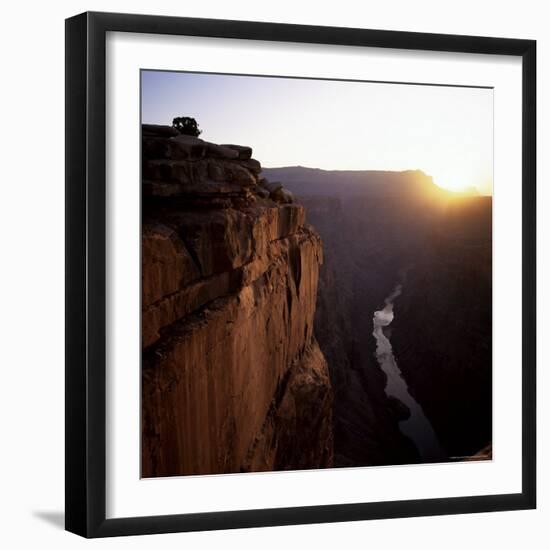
point(300, 274)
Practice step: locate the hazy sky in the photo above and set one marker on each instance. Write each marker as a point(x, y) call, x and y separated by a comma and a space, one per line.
point(446, 132)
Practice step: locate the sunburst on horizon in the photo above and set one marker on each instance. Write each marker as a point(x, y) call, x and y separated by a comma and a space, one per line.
point(460, 181)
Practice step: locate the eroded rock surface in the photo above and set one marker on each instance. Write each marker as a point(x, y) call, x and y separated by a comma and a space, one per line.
point(232, 377)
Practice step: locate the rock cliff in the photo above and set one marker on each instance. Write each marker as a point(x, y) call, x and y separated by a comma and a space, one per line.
point(232, 377)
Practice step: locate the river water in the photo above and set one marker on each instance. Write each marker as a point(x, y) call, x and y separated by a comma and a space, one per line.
point(417, 427)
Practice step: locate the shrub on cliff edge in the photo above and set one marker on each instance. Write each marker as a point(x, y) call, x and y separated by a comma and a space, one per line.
point(187, 125)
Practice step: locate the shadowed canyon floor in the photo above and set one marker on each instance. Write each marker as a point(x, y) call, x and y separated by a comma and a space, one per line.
point(415, 426)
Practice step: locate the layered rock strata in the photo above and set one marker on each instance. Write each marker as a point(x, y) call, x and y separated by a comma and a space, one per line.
point(232, 377)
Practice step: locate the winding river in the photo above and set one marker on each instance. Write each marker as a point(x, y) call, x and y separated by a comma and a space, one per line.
point(417, 427)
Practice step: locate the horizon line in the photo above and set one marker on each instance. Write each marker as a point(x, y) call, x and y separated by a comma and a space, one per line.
point(463, 191)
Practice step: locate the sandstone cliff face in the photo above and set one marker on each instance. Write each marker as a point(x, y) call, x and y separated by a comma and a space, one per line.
point(232, 377)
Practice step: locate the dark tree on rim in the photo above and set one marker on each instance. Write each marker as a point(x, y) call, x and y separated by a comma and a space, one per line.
point(186, 125)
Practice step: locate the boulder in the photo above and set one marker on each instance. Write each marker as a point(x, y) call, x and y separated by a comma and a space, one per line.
point(243, 151)
point(282, 195)
point(219, 151)
point(183, 146)
point(216, 171)
point(271, 186)
point(159, 130)
point(252, 164)
point(236, 173)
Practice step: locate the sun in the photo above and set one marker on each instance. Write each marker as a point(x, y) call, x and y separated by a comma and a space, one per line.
point(451, 185)
point(456, 179)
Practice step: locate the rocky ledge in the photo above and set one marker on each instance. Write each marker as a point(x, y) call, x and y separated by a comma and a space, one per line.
point(233, 379)
point(176, 165)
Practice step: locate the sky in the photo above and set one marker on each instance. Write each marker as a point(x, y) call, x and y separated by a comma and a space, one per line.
point(336, 125)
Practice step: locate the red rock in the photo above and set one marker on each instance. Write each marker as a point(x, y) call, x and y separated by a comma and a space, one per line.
point(233, 379)
point(225, 364)
point(166, 264)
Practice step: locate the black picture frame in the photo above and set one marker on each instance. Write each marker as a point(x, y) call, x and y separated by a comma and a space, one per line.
point(86, 274)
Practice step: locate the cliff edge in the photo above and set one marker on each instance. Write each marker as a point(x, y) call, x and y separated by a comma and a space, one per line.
point(232, 377)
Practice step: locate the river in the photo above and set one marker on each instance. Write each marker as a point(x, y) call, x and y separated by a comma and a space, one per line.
point(417, 427)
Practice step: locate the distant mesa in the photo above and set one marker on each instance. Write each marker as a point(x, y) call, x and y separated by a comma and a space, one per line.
point(303, 181)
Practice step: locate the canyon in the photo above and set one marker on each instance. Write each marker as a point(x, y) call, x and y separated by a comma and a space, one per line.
point(383, 229)
point(296, 318)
